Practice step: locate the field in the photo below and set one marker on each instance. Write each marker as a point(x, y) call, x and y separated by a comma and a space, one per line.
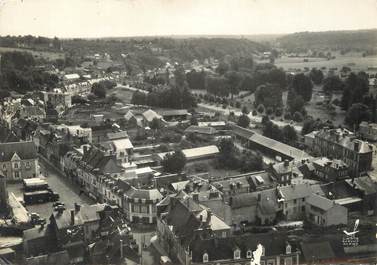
point(38, 54)
point(355, 61)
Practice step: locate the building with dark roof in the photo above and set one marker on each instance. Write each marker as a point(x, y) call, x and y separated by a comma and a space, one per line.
point(275, 249)
point(339, 144)
point(18, 160)
point(175, 115)
point(181, 220)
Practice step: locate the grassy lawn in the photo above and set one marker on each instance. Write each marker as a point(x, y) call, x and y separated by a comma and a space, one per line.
point(122, 94)
point(208, 166)
point(354, 60)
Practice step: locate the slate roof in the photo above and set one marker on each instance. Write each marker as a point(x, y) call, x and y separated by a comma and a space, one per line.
point(117, 135)
point(317, 251)
point(344, 138)
point(96, 159)
point(25, 150)
point(56, 258)
point(244, 200)
point(85, 214)
point(226, 184)
point(151, 194)
point(268, 204)
point(274, 243)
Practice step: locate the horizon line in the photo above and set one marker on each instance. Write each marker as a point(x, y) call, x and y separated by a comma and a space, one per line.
point(193, 35)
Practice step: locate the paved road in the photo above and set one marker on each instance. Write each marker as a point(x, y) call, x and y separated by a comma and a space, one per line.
point(68, 191)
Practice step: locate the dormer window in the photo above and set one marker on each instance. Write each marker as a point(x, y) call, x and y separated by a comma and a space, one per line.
point(288, 249)
point(237, 254)
point(249, 254)
point(205, 258)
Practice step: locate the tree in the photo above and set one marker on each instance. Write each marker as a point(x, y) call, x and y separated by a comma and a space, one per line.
point(260, 108)
point(228, 154)
point(196, 80)
point(234, 80)
point(273, 131)
point(357, 113)
point(316, 76)
point(155, 124)
point(251, 161)
point(295, 103)
point(99, 90)
point(243, 121)
point(270, 95)
point(298, 117)
point(193, 120)
point(289, 134)
point(302, 86)
point(174, 162)
point(217, 86)
point(245, 110)
point(356, 87)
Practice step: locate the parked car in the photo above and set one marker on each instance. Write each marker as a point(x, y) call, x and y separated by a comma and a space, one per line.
point(59, 208)
point(57, 203)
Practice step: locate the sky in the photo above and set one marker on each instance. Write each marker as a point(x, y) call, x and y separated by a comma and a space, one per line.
point(118, 18)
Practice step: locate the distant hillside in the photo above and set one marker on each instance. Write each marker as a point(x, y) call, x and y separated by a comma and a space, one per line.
point(143, 52)
point(348, 40)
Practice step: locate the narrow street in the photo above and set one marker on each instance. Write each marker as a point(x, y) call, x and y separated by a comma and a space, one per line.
point(68, 191)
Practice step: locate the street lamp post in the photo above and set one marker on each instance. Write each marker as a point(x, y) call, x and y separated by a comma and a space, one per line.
point(121, 248)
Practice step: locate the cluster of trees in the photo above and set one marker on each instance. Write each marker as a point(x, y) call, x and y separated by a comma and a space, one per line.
point(169, 98)
point(231, 158)
point(20, 73)
point(99, 89)
point(287, 134)
point(357, 39)
point(174, 162)
point(356, 100)
point(241, 74)
point(269, 95)
point(310, 124)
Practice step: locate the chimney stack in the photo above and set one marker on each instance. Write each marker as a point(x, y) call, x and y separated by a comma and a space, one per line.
point(77, 207)
point(85, 148)
point(356, 146)
point(72, 217)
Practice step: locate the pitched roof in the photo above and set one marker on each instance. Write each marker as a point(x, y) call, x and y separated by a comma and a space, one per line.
point(149, 115)
point(96, 159)
point(200, 129)
point(117, 135)
point(320, 202)
point(217, 249)
point(317, 251)
point(346, 139)
point(292, 192)
point(121, 144)
point(175, 112)
point(278, 146)
point(151, 194)
point(25, 150)
point(244, 200)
